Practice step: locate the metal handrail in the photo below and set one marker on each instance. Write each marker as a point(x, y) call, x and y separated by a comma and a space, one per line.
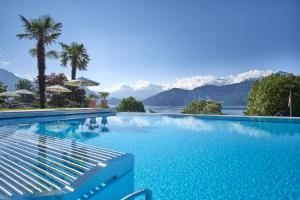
point(146, 192)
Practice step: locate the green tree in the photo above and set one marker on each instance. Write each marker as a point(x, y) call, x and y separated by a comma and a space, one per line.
point(24, 84)
point(3, 87)
point(92, 96)
point(203, 107)
point(45, 31)
point(104, 95)
point(269, 95)
point(77, 55)
point(130, 104)
point(27, 85)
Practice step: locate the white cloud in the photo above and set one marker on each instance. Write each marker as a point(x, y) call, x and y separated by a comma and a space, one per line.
point(197, 81)
point(140, 84)
point(250, 74)
point(142, 89)
point(190, 82)
point(4, 63)
point(28, 77)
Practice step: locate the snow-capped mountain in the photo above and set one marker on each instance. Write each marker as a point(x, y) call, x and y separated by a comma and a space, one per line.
point(143, 89)
point(136, 91)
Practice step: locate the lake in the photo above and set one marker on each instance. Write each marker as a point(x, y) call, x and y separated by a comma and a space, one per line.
point(227, 110)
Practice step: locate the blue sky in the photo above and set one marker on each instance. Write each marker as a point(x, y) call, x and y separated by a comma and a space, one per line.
point(160, 41)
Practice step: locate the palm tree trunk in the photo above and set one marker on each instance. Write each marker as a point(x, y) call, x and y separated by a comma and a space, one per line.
point(73, 72)
point(41, 69)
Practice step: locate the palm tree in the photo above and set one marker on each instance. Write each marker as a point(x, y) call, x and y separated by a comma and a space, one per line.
point(77, 55)
point(104, 95)
point(45, 31)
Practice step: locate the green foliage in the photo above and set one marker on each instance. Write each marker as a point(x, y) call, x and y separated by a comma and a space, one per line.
point(3, 87)
point(24, 84)
point(58, 101)
point(44, 30)
point(203, 107)
point(130, 104)
point(77, 55)
point(269, 95)
point(104, 95)
point(27, 85)
point(92, 96)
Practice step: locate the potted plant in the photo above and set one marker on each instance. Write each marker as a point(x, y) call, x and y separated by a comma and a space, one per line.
point(92, 98)
point(103, 96)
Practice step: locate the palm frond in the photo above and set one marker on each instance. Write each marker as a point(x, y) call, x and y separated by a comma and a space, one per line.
point(64, 46)
point(52, 54)
point(26, 23)
point(33, 52)
point(57, 27)
point(25, 36)
point(76, 54)
point(51, 38)
point(64, 59)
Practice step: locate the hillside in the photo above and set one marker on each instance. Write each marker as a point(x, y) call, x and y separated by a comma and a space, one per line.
point(9, 79)
point(230, 95)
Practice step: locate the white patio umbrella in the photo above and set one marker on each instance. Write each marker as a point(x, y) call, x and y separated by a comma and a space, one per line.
point(57, 89)
point(81, 82)
point(23, 91)
point(9, 94)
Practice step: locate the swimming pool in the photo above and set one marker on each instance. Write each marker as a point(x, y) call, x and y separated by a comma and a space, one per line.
point(187, 157)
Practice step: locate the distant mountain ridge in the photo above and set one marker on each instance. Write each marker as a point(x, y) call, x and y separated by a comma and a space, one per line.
point(9, 79)
point(230, 95)
point(141, 93)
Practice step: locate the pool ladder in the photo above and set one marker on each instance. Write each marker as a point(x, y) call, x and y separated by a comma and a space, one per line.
point(146, 192)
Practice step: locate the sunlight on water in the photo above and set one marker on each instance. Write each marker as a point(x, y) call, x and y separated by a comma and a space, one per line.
point(193, 158)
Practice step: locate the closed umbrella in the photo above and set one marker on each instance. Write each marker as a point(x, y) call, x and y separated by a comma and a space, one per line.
point(57, 89)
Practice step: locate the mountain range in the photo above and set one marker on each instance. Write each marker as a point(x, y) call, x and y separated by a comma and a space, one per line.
point(230, 95)
point(231, 91)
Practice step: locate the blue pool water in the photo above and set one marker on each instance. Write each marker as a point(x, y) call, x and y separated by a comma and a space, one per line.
point(185, 157)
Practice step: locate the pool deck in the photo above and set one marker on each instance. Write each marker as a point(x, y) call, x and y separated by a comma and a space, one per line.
point(53, 112)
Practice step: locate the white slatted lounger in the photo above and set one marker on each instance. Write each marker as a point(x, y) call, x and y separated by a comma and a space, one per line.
point(42, 167)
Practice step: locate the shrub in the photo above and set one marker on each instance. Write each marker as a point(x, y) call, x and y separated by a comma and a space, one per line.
point(57, 101)
point(130, 104)
point(269, 95)
point(203, 107)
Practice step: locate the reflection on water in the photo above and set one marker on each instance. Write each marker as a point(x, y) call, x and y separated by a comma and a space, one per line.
point(226, 110)
point(84, 129)
point(79, 129)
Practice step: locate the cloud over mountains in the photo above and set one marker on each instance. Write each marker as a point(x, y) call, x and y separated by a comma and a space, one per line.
point(143, 89)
